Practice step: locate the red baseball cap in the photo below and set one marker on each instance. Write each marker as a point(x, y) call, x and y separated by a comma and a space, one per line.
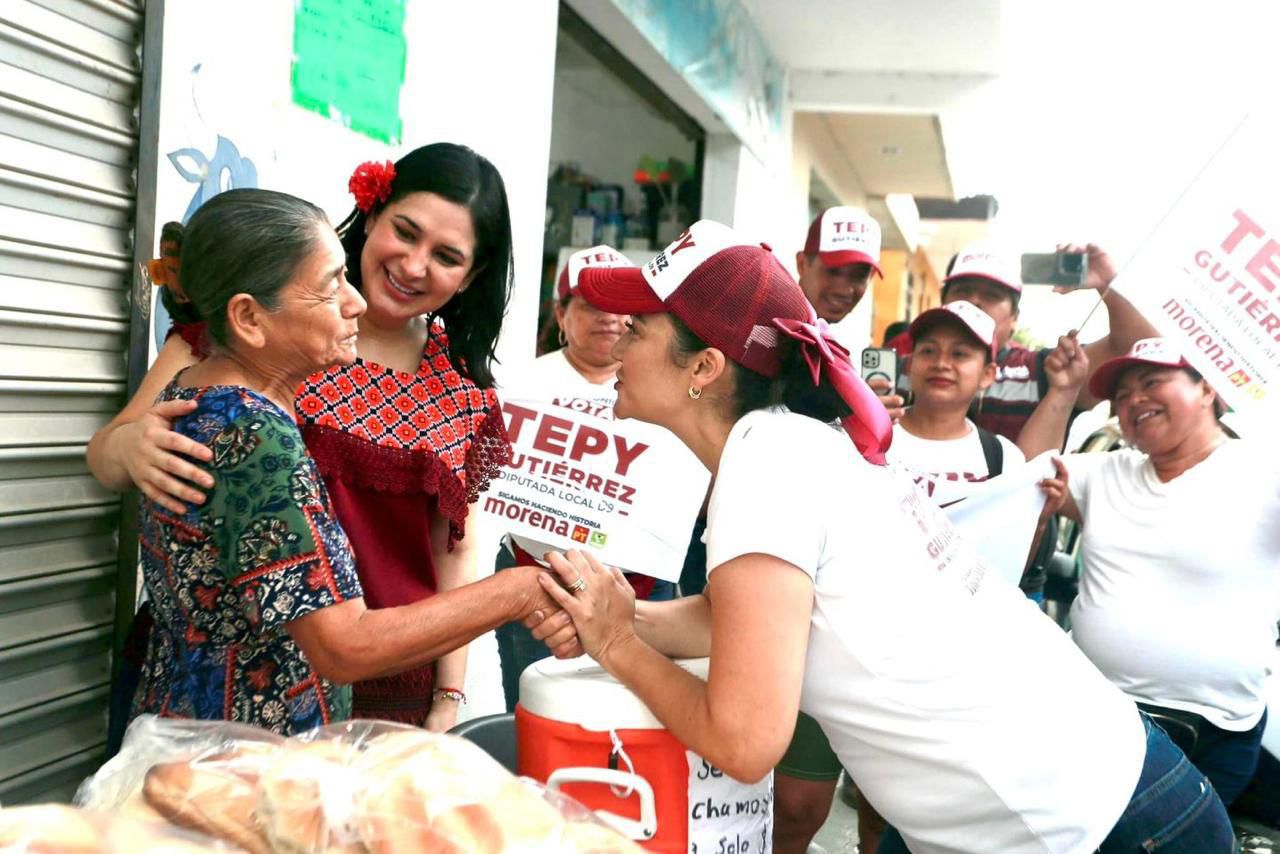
point(1147, 351)
point(596, 256)
point(986, 261)
point(726, 289)
point(972, 318)
point(844, 235)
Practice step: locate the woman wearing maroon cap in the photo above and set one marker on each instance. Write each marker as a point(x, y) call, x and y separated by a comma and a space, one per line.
point(836, 588)
point(1180, 586)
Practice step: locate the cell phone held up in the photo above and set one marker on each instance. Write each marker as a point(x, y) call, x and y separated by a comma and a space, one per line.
point(1060, 269)
point(880, 363)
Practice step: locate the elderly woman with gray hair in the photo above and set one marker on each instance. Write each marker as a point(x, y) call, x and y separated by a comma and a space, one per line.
point(260, 617)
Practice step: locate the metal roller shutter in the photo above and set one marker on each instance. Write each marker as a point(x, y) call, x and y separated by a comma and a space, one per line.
point(70, 76)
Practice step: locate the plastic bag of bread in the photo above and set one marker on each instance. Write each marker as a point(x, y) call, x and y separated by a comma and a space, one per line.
point(427, 792)
point(152, 740)
point(198, 775)
point(48, 828)
point(350, 788)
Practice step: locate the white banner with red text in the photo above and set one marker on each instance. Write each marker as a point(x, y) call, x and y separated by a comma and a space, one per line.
point(626, 491)
point(1208, 277)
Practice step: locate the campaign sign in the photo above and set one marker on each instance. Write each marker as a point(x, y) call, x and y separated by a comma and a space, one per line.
point(1208, 277)
point(627, 491)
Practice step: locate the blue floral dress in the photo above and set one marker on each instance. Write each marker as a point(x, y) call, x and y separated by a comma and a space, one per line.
point(225, 578)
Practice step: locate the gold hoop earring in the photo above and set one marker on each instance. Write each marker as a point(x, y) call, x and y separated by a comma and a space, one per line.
point(563, 339)
point(694, 392)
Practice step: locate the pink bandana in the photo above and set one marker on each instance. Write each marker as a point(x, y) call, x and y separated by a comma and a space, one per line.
point(869, 425)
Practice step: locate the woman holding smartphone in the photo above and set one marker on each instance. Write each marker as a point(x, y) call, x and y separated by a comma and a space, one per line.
point(922, 668)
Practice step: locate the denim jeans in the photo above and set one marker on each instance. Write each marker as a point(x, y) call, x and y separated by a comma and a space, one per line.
point(1226, 757)
point(1173, 809)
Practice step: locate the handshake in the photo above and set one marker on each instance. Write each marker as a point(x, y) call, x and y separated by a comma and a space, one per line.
point(579, 606)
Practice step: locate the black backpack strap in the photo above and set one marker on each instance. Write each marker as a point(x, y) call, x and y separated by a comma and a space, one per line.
point(992, 450)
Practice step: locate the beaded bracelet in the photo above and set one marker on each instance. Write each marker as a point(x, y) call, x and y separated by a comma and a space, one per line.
point(450, 694)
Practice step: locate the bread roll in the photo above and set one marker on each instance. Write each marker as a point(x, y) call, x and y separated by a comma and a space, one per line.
point(216, 795)
point(428, 792)
point(49, 829)
point(526, 816)
point(306, 799)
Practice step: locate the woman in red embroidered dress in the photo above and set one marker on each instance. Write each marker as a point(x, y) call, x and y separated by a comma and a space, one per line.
point(409, 435)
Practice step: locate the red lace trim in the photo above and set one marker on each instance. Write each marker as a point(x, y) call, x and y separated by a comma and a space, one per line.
point(382, 468)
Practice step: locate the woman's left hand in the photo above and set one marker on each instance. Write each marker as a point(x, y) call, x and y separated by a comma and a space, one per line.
point(1055, 490)
point(598, 599)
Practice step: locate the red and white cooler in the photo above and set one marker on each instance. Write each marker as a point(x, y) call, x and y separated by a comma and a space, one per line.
point(579, 731)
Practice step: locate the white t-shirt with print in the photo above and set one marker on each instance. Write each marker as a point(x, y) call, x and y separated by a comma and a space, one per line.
point(934, 680)
point(1180, 591)
point(551, 377)
point(942, 467)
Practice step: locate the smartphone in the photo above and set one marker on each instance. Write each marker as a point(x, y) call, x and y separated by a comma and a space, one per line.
point(880, 363)
point(1061, 269)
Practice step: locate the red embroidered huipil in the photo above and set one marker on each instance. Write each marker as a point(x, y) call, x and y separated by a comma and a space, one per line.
point(395, 449)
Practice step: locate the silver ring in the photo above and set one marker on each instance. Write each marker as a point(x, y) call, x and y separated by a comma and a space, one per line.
point(580, 584)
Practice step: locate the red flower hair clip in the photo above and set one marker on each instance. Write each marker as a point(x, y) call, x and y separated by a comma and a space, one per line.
point(371, 183)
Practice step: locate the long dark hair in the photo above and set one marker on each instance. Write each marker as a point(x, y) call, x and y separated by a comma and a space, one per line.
point(246, 241)
point(793, 386)
point(473, 317)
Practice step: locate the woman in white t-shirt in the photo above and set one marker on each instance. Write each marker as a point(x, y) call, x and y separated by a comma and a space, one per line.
point(835, 587)
point(1180, 588)
point(952, 362)
point(579, 359)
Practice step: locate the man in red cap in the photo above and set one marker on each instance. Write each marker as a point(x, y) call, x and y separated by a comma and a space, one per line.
point(989, 278)
point(841, 252)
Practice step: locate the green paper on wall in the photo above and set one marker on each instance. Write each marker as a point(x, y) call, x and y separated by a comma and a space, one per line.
point(348, 63)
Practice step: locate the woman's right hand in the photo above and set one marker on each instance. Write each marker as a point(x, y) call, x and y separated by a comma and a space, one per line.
point(149, 451)
point(599, 599)
point(892, 401)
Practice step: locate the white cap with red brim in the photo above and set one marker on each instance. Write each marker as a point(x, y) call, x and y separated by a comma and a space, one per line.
point(596, 256)
point(843, 235)
point(986, 261)
point(969, 316)
point(1159, 352)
